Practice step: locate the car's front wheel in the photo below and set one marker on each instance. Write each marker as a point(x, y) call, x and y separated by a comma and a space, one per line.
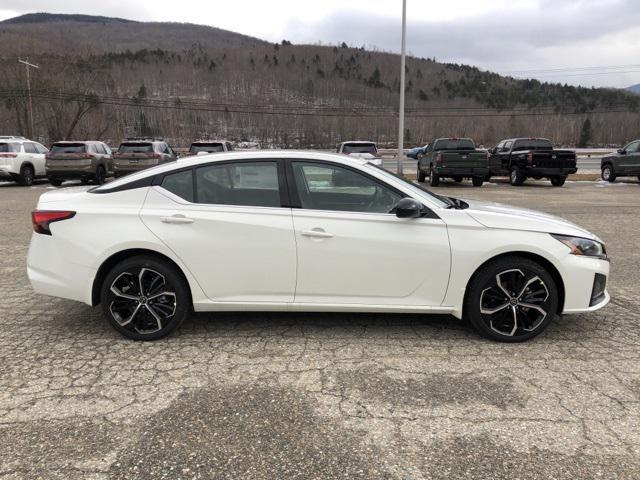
point(516, 177)
point(511, 299)
point(558, 181)
point(145, 298)
point(608, 174)
point(420, 175)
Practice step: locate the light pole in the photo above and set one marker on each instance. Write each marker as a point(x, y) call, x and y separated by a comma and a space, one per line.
point(29, 103)
point(402, 68)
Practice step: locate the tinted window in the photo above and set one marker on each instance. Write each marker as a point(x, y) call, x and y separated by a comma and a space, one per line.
point(454, 144)
point(359, 148)
point(331, 187)
point(507, 146)
point(180, 184)
point(135, 148)
point(98, 148)
point(9, 147)
point(40, 148)
point(206, 147)
point(633, 147)
point(30, 147)
point(68, 148)
point(250, 184)
point(535, 144)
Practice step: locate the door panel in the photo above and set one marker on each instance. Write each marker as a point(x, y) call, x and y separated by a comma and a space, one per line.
point(370, 258)
point(236, 253)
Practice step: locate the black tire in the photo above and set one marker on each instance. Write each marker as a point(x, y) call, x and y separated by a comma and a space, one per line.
point(26, 175)
point(491, 311)
point(477, 181)
point(420, 175)
point(434, 178)
point(608, 174)
point(101, 175)
point(56, 182)
point(149, 316)
point(516, 178)
point(457, 179)
point(558, 181)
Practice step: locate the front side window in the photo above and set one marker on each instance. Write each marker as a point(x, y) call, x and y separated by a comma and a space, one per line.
point(243, 183)
point(507, 146)
point(633, 147)
point(180, 184)
point(331, 187)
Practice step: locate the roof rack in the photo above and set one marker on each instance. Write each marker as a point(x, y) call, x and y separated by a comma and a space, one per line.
point(12, 137)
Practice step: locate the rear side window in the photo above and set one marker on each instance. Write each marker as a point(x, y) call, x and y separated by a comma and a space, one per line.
point(68, 148)
point(135, 148)
point(9, 147)
point(30, 147)
point(249, 184)
point(180, 184)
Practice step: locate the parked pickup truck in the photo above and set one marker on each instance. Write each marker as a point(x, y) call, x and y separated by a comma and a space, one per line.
point(624, 163)
point(455, 158)
point(522, 158)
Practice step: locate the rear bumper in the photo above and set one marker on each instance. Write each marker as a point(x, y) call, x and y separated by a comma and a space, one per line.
point(77, 172)
point(549, 172)
point(130, 168)
point(462, 171)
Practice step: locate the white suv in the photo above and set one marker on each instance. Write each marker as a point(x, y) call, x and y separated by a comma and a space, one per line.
point(21, 160)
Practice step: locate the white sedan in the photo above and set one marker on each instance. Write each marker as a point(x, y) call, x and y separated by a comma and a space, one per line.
point(302, 231)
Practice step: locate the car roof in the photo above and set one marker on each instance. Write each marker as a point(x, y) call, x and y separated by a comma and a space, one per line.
point(209, 141)
point(237, 155)
point(362, 142)
point(6, 139)
point(76, 141)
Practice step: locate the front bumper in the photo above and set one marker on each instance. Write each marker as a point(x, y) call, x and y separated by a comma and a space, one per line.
point(579, 277)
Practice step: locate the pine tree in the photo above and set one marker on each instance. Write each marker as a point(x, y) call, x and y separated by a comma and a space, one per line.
point(585, 134)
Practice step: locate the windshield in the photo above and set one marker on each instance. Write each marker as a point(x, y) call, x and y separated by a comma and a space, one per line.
point(359, 148)
point(206, 147)
point(536, 144)
point(9, 147)
point(68, 148)
point(454, 144)
point(440, 200)
point(135, 148)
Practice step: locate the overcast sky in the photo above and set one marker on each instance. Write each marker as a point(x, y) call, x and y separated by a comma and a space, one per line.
point(508, 36)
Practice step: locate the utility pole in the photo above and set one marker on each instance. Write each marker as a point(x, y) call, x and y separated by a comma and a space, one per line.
point(29, 103)
point(402, 69)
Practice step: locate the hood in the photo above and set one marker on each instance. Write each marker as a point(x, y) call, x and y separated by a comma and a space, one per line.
point(496, 215)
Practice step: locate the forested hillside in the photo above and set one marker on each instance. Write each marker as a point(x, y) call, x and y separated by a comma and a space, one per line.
point(109, 78)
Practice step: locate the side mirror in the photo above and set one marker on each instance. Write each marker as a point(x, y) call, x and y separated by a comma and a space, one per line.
point(621, 151)
point(408, 208)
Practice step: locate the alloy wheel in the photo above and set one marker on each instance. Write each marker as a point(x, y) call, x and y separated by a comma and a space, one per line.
point(142, 301)
point(516, 302)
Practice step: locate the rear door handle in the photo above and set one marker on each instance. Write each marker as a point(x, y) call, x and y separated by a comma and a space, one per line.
point(176, 219)
point(316, 233)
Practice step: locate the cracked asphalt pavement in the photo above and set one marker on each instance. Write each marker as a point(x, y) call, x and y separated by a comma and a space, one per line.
point(314, 396)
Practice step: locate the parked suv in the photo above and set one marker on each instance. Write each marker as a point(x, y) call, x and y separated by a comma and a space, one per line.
point(88, 161)
point(209, 146)
point(624, 163)
point(21, 160)
point(359, 149)
point(137, 154)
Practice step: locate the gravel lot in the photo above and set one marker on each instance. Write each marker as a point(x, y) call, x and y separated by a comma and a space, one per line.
point(310, 396)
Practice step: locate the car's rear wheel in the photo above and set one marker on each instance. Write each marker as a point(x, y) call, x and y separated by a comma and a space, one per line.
point(145, 298)
point(511, 299)
point(477, 181)
point(56, 182)
point(420, 175)
point(608, 174)
point(516, 178)
point(558, 181)
point(101, 175)
point(434, 178)
point(26, 175)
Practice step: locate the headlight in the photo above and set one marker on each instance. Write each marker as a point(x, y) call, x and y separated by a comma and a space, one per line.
point(583, 246)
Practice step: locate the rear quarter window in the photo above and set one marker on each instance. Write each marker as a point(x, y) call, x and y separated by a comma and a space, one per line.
point(180, 184)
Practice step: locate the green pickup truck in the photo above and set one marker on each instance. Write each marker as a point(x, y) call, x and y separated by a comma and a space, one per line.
point(455, 158)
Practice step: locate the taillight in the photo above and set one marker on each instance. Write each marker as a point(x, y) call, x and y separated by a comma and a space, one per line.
point(153, 155)
point(439, 159)
point(8, 155)
point(530, 158)
point(41, 219)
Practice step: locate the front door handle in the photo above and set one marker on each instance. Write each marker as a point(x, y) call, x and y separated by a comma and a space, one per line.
point(176, 219)
point(316, 233)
